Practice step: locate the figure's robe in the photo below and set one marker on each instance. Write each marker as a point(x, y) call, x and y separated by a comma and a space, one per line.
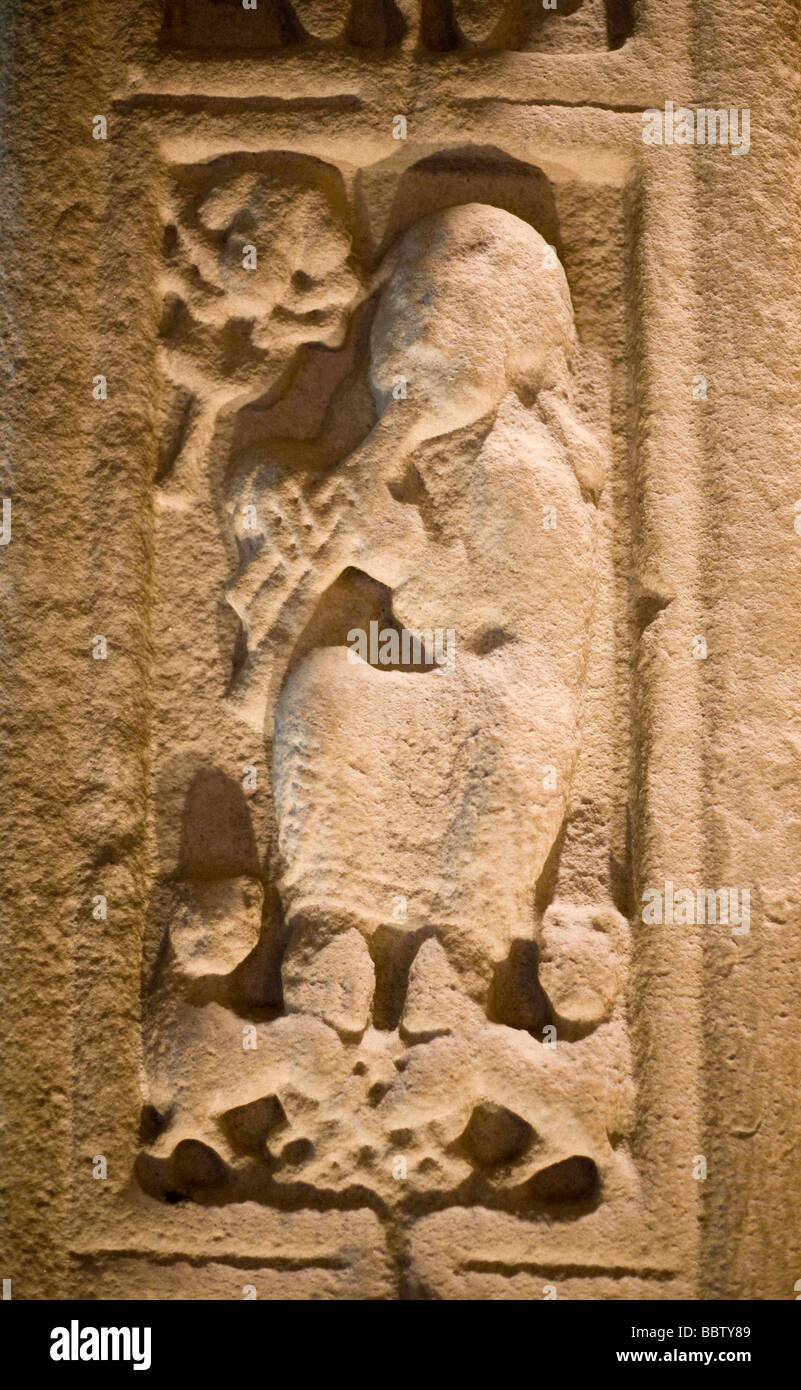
point(448, 790)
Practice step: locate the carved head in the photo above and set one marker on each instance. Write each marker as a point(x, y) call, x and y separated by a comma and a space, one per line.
point(475, 303)
point(279, 250)
point(583, 959)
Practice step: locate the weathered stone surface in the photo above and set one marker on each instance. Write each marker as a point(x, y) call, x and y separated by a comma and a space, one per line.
point(215, 925)
point(398, 577)
point(335, 982)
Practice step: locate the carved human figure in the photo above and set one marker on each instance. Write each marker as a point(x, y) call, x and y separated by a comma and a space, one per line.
point(470, 508)
point(416, 805)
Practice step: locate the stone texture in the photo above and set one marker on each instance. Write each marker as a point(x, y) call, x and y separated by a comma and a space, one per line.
point(413, 599)
point(215, 925)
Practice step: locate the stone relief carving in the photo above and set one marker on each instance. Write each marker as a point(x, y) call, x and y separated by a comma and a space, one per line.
point(317, 921)
point(226, 335)
point(391, 1042)
point(433, 25)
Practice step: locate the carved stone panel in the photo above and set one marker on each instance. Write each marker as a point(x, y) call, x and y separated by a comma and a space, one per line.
point(390, 951)
point(392, 549)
